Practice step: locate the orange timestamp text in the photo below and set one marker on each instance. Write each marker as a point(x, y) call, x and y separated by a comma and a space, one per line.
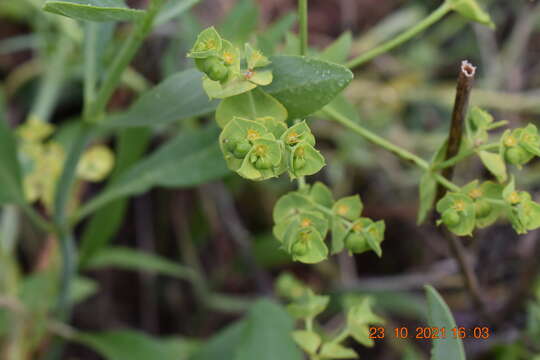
point(430, 333)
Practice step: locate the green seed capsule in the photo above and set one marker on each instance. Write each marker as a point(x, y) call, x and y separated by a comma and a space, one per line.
point(299, 163)
point(516, 155)
point(213, 67)
point(242, 148)
point(230, 144)
point(450, 217)
point(299, 248)
point(356, 243)
point(482, 208)
point(263, 163)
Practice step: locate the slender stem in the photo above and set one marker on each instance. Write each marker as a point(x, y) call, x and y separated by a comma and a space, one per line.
point(398, 40)
point(126, 54)
point(376, 139)
point(309, 324)
point(459, 114)
point(303, 19)
point(463, 155)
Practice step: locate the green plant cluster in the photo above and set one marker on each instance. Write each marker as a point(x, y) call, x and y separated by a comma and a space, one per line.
point(303, 219)
point(305, 305)
point(258, 143)
point(478, 205)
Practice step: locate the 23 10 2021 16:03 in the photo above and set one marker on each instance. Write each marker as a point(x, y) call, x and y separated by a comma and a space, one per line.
point(429, 333)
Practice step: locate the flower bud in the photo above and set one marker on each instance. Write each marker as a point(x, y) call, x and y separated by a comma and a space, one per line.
point(241, 149)
point(450, 217)
point(516, 155)
point(356, 243)
point(213, 67)
point(299, 163)
point(263, 163)
point(482, 208)
point(299, 248)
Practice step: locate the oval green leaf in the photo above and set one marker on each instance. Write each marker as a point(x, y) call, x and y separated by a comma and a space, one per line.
point(304, 85)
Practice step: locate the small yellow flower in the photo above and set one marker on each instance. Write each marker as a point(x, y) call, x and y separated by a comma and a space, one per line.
point(34, 130)
point(253, 135)
point(96, 164)
point(342, 210)
point(459, 205)
point(475, 193)
point(510, 141)
point(514, 198)
point(305, 223)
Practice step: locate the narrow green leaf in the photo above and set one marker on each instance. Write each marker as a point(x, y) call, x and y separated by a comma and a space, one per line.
point(439, 316)
point(305, 85)
point(178, 97)
point(270, 39)
point(240, 22)
point(427, 190)
point(129, 259)
point(222, 345)
point(339, 50)
point(134, 345)
point(173, 9)
point(337, 351)
point(93, 10)
point(10, 177)
point(190, 159)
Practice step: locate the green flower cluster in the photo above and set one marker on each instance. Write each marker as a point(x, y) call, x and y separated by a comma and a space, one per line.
point(479, 206)
point(519, 146)
point(221, 62)
point(303, 219)
point(264, 147)
point(306, 305)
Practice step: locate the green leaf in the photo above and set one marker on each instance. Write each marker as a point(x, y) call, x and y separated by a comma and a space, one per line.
point(359, 317)
point(178, 97)
point(349, 207)
point(82, 289)
point(129, 259)
point(266, 335)
point(439, 316)
point(134, 345)
point(495, 164)
point(262, 334)
point(304, 160)
point(471, 10)
point(250, 105)
point(173, 9)
point(10, 176)
point(190, 159)
point(337, 351)
point(315, 248)
point(309, 341)
point(304, 85)
point(427, 190)
point(272, 37)
point(290, 205)
point(339, 233)
point(93, 10)
point(339, 50)
point(321, 194)
point(240, 22)
point(308, 305)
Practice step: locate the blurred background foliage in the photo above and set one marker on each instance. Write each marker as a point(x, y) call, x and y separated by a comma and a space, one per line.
point(221, 231)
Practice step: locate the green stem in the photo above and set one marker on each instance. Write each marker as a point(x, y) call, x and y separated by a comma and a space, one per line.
point(303, 19)
point(309, 324)
point(398, 40)
point(377, 140)
point(463, 155)
point(126, 54)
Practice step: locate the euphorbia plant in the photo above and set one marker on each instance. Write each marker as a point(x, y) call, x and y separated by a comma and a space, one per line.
point(262, 110)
